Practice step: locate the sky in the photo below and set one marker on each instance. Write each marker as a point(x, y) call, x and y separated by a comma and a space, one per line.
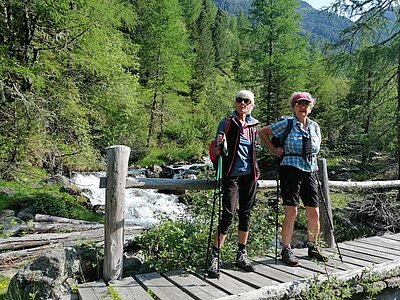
point(318, 4)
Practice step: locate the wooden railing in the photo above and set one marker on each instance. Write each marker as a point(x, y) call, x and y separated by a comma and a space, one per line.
point(116, 181)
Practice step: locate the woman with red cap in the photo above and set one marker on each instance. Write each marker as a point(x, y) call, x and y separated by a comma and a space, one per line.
point(298, 172)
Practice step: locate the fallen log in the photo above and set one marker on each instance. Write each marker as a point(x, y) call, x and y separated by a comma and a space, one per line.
point(67, 239)
point(187, 184)
point(54, 219)
point(60, 227)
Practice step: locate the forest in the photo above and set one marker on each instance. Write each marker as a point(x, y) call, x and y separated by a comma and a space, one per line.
point(158, 75)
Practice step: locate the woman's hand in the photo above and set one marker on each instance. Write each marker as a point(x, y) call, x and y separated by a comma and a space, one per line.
point(278, 152)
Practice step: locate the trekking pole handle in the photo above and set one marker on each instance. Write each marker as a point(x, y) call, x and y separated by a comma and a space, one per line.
point(224, 145)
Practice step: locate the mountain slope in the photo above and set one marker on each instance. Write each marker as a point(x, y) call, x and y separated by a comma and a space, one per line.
point(320, 26)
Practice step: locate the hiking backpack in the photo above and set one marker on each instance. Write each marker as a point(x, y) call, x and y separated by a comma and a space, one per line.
point(279, 142)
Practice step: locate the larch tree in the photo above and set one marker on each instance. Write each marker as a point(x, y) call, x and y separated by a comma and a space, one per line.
point(50, 57)
point(204, 64)
point(222, 41)
point(277, 52)
point(377, 21)
point(165, 60)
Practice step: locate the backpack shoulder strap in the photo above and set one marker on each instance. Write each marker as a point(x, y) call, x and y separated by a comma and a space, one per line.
point(227, 125)
point(288, 128)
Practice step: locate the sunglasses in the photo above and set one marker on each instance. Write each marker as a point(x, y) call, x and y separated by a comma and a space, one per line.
point(302, 103)
point(245, 100)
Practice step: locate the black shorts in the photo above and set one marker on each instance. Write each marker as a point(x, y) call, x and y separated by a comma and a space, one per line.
point(296, 183)
point(239, 196)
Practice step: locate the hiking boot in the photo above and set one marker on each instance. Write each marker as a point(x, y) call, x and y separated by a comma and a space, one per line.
point(315, 253)
point(289, 258)
point(213, 270)
point(243, 261)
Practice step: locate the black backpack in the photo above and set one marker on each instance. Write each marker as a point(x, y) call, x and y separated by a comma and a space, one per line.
point(279, 142)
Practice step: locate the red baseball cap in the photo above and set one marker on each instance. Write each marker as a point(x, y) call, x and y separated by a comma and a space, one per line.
point(301, 97)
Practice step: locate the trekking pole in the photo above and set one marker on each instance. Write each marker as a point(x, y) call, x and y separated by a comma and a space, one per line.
point(224, 151)
point(277, 213)
point(216, 192)
point(219, 183)
point(327, 214)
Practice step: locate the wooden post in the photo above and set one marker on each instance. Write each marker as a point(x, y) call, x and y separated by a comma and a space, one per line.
point(117, 170)
point(325, 210)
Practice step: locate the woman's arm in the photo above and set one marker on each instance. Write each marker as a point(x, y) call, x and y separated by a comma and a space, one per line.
point(265, 133)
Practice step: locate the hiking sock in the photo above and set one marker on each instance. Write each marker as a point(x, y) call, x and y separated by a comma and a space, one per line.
point(241, 247)
point(215, 251)
point(311, 244)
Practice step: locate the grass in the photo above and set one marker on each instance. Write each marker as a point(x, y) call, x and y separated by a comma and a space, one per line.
point(30, 189)
point(4, 281)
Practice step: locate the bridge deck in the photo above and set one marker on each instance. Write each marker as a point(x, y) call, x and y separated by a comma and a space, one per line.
point(236, 284)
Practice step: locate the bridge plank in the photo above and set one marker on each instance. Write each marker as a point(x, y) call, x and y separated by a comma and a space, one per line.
point(193, 285)
point(93, 291)
point(362, 256)
point(128, 289)
point(275, 274)
point(331, 265)
point(298, 271)
point(376, 247)
point(382, 242)
point(227, 283)
point(253, 279)
point(161, 287)
point(370, 251)
point(395, 237)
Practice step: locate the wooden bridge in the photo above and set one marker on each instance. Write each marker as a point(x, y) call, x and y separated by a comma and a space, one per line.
point(379, 255)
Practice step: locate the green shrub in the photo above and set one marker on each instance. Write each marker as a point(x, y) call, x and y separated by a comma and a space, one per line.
point(174, 244)
point(173, 154)
point(183, 243)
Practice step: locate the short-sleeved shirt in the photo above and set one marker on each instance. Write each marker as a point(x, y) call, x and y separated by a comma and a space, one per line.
point(294, 143)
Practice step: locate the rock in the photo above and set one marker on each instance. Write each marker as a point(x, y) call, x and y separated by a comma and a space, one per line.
point(45, 277)
point(6, 191)
point(51, 276)
point(153, 171)
point(9, 223)
point(132, 263)
point(27, 213)
point(150, 174)
point(341, 176)
point(6, 213)
point(99, 209)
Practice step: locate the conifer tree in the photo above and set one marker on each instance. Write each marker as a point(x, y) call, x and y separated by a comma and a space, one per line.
point(241, 42)
point(222, 41)
point(277, 53)
point(62, 74)
point(205, 52)
point(376, 24)
point(164, 62)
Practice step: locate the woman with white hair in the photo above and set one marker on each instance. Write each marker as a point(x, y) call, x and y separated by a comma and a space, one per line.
point(298, 172)
point(239, 177)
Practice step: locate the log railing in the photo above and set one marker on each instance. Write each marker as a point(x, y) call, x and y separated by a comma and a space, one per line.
point(116, 181)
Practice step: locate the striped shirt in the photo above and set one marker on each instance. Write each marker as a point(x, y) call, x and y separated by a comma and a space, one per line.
point(294, 143)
